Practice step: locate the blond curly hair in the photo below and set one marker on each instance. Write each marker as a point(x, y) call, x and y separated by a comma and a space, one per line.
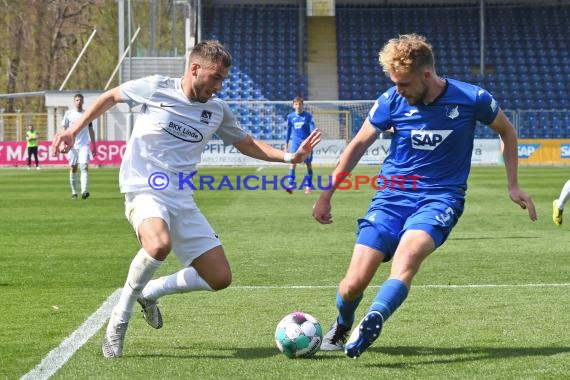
point(407, 53)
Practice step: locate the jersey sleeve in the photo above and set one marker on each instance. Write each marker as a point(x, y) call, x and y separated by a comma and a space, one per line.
point(311, 123)
point(230, 131)
point(486, 107)
point(138, 91)
point(65, 120)
point(379, 115)
point(289, 130)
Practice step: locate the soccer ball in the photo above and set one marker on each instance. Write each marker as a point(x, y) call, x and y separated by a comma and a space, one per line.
point(298, 335)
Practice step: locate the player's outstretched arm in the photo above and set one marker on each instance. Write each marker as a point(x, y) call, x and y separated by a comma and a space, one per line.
point(63, 140)
point(347, 161)
point(306, 147)
point(508, 134)
point(262, 151)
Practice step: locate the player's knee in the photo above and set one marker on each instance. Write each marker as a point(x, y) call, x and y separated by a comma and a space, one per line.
point(83, 167)
point(351, 288)
point(222, 280)
point(157, 248)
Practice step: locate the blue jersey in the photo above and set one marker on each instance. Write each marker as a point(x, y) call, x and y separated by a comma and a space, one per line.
point(299, 127)
point(432, 144)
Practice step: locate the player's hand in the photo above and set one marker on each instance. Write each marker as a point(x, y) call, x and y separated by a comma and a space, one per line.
point(62, 142)
point(322, 211)
point(524, 201)
point(306, 147)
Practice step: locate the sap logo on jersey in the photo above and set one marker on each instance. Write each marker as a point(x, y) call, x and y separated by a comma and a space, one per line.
point(526, 150)
point(564, 150)
point(428, 140)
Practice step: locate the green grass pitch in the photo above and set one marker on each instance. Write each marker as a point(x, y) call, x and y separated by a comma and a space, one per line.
point(492, 303)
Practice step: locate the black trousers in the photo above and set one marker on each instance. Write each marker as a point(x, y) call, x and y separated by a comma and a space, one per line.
point(33, 151)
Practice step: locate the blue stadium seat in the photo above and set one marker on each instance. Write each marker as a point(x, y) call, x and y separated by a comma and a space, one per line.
point(524, 55)
point(557, 132)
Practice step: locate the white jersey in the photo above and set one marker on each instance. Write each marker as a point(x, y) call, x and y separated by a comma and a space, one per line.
point(69, 119)
point(170, 131)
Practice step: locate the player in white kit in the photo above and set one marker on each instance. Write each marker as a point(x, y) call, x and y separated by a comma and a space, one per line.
point(78, 156)
point(177, 119)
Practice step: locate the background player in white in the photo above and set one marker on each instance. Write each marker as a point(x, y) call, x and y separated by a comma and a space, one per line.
point(177, 119)
point(433, 122)
point(78, 156)
point(300, 124)
point(558, 204)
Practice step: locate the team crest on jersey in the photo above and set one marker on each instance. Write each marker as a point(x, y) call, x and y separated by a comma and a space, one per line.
point(206, 117)
point(183, 131)
point(428, 140)
point(452, 112)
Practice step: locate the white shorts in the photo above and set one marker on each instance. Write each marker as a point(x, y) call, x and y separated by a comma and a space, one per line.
point(78, 156)
point(190, 232)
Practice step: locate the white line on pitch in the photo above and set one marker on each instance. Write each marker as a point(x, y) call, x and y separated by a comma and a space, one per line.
point(57, 357)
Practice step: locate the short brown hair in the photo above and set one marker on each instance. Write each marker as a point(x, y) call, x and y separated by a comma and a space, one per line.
point(211, 51)
point(407, 53)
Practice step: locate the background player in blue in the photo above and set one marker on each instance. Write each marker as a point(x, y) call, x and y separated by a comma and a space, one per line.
point(300, 124)
point(433, 121)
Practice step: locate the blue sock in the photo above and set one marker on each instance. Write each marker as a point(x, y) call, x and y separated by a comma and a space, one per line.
point(291, 176)
point(390, 296)
point(310, 175)
point(346, 310)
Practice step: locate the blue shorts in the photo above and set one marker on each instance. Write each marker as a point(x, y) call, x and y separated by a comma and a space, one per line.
point(391, 213)
point(294, 148)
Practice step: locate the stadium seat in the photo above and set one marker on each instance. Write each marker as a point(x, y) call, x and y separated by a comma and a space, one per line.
point(523, 55)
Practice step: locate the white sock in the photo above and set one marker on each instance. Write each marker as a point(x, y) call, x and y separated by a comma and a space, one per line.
point(140, 273)
point(73, 182)
point(564, 195)
point(84, 181)
point(185, 280)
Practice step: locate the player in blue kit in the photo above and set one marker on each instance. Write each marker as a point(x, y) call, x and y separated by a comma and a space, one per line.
point(433, 122)
point(300, 124)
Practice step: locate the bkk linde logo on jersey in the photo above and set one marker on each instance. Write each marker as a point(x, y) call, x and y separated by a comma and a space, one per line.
point(428, 140)
point(183, 131)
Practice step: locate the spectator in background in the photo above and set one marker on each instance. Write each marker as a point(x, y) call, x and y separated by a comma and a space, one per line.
point(79, 155)
point(300, 124)
point(32, 145)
